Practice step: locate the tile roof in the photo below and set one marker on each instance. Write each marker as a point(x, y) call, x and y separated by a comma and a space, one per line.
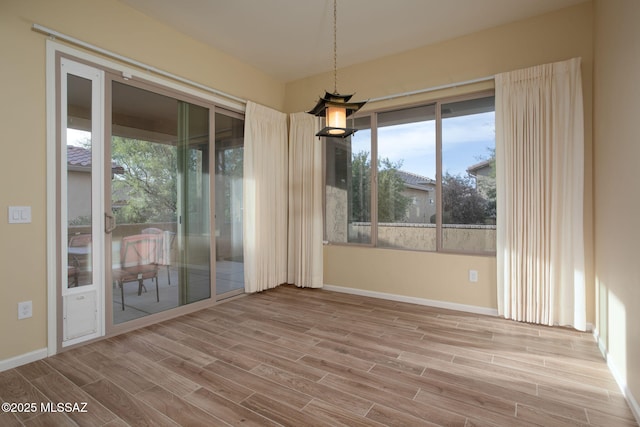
point(473, 169)
point(413, 179)
point(78, 156)
point(81, 157)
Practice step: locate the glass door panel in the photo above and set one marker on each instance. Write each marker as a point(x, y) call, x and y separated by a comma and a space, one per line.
point(79, 149)
point(229, 151)
point(160, 200)
point(81, 205)
point(194, 229)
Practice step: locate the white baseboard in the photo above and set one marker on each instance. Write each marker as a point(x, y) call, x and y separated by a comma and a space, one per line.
point(23, 359)
point(415, 300)
point(622, 383)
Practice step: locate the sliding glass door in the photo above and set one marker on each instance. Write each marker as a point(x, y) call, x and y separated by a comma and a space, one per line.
point(149, 189)
point(229, 152)
point(160, 202)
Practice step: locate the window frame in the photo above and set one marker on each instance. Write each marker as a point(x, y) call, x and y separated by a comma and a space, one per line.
point(373, 117)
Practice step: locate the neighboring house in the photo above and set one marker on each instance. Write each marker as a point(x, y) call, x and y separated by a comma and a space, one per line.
point(484, 175)
point(79, 184)
point(422, 192)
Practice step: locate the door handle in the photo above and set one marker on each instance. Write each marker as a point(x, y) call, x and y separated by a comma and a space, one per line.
point(109, 223)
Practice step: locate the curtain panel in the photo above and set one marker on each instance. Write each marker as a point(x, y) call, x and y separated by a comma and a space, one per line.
point(305, 202)
point(265, 198)
point(540, 180)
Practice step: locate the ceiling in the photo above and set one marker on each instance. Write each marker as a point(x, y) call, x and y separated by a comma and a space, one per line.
point(293, 39)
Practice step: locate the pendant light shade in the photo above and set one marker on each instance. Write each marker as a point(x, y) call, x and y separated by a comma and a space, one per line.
point(335, 108)
point(336, 118)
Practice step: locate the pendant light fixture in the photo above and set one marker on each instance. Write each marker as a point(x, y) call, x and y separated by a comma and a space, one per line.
point(333, 106)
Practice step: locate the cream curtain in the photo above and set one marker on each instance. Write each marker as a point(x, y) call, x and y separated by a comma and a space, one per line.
point(265, 198)
point(540, 179)
point(305, 202)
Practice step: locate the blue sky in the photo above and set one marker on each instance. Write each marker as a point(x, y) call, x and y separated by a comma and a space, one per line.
point(466, 141)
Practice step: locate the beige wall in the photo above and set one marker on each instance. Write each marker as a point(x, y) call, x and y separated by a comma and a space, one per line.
point(108, 24)
point(617, 198)
point(552, 37)
point(440, 277)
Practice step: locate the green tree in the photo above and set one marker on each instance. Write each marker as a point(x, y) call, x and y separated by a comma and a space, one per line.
point(461, 202)
point(487, 187)
point(229, 169)
point(147, 188)
point(392, 203)
point(361, 187)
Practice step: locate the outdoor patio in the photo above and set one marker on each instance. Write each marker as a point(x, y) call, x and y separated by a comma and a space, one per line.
point(229, 277)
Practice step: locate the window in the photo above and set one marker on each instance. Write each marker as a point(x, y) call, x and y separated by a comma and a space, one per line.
point(406, 170)
point(469, 176)
point(420, 202)
point(348, 186)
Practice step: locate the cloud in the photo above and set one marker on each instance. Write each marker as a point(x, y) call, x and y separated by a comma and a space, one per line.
point(476, 128)
point(466, 140)
point(407, 141)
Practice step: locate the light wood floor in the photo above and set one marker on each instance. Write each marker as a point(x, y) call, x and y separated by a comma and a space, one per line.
point(301, 357)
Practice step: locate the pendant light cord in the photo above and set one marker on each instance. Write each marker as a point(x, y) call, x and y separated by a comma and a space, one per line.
point(335, 47)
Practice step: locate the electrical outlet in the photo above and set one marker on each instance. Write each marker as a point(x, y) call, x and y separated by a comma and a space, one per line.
point(25, 310)
point(473, 275)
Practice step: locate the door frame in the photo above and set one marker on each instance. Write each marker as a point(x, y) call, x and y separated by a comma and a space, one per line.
point(95, 289)
point(54, 51)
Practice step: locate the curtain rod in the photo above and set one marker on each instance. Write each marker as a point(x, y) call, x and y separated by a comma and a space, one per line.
point(431, 89)
point(149, 68)
point(129, 61)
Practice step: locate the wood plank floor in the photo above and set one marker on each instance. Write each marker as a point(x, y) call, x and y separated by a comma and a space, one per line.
point(302, 357)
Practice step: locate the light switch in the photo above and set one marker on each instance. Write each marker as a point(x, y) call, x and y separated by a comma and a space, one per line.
point(19, 214)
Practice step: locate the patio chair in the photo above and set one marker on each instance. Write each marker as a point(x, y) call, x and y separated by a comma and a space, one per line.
point(72, 276)
point(164, 245)
point(79, 250)
point(138, 254)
